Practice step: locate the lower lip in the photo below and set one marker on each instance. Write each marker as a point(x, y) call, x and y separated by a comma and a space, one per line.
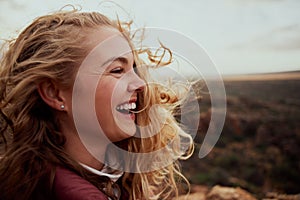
point(130, 115)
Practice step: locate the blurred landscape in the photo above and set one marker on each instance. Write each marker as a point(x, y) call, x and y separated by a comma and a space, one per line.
point(259, 147)
point(258, 150)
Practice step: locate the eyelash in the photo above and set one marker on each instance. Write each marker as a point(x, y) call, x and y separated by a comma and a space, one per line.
point(117, 70)
point(135, 69)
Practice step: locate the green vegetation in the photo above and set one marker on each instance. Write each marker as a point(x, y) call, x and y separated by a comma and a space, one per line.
point(260, 143)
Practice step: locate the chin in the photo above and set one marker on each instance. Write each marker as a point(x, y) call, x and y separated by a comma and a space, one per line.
point(128, 134)
point(122, 134)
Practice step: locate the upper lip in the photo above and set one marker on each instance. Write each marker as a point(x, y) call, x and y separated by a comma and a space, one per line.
point(132, 100)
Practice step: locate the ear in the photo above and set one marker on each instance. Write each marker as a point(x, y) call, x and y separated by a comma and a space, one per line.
point(52, 95)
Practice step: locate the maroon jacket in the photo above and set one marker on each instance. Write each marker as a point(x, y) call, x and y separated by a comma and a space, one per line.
point(69, 186)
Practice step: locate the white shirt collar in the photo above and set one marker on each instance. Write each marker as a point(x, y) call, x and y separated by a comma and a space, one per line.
point(113, 177)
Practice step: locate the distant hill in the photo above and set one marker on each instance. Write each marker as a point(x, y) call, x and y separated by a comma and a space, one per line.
point(290, 75)
point(260, 143)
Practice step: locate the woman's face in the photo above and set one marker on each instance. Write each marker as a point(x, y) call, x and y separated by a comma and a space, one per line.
point(109, 84)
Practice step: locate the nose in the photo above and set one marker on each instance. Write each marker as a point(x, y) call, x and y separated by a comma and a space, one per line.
point(136, 84)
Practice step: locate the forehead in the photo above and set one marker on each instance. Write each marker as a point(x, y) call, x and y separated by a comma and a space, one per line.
point(106, 38)
point(99, 34)
point(105, 43)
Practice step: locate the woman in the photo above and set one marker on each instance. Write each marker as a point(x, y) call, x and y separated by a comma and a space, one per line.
point(60, 68)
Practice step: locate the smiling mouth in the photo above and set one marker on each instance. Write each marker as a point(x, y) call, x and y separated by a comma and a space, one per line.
point(126, 108)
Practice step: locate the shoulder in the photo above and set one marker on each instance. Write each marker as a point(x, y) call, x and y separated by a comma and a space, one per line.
point(69, 185)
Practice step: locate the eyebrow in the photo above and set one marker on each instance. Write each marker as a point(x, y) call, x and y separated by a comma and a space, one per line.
point(123, 60)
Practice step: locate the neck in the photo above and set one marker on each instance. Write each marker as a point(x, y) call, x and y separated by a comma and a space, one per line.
point(75, 148)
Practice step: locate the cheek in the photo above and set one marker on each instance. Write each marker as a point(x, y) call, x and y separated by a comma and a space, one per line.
point(103, 97)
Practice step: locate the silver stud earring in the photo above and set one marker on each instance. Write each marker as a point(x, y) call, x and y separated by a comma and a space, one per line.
point(62, 106)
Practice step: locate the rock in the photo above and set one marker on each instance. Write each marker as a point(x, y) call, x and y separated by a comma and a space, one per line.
point(275, 196)
point(228, 193)
point(199, 189)
point(200, 192)
point(193, 196)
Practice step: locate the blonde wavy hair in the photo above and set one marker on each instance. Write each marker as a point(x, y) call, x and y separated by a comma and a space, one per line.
point(52, 48)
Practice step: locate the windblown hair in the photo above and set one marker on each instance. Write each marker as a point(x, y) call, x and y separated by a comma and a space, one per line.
point(52, 48)
point(158, 106)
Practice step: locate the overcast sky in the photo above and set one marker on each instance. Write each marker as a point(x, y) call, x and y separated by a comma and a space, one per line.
point(240, 36)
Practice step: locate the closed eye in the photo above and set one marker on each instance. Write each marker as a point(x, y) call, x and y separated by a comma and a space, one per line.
point(135, 68)
point(117, 70)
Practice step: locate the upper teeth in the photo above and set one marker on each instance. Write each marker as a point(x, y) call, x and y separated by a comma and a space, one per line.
point(126, 106)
